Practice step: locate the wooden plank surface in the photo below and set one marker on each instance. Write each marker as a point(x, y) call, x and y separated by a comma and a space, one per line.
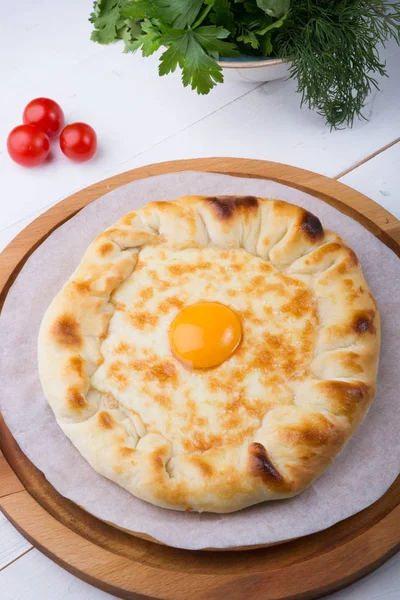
point(14, 544)
point(36, 576)
point(380, 178)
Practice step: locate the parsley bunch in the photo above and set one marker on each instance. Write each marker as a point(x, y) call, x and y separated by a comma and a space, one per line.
point(331, 44)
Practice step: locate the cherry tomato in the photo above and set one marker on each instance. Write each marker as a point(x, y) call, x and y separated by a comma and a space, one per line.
point(27, 145)
point(45, 114)
point(78, 141)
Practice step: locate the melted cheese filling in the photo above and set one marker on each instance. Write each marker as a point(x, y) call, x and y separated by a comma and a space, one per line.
point(201, 409)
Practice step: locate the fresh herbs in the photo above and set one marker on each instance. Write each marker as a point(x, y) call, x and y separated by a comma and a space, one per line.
point(334, 53)
point(332, 45)
point(193, 33)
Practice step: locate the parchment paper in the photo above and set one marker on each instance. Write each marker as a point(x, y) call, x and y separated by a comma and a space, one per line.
point(361, 474)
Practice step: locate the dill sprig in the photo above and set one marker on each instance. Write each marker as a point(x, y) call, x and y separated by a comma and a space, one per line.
point(334, 51)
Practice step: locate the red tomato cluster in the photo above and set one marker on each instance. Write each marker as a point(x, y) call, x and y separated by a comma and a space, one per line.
point(29, 144)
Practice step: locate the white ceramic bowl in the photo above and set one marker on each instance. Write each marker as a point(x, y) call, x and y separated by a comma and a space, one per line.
point(253, 68)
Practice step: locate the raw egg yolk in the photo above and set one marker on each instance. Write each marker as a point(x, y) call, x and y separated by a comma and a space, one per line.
point(205, 334)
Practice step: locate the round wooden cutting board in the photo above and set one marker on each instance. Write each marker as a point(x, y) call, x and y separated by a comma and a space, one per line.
point(135, 568)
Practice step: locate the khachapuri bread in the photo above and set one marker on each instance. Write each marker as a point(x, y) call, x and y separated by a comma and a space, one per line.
point(211, 353)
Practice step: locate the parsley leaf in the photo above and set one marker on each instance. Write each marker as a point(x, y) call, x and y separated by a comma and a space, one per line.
point(199, 70)
point(274, 8)
point(148, 38)
point(222, 14)
point(128, 33)
point(136, 9)
point(248, 37)
point(266, 44)
point(211, 39)
point(177, 13)
point(106, 18)
point(177, 42)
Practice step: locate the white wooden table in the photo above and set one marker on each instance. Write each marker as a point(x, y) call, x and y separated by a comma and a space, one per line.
point(140, 119)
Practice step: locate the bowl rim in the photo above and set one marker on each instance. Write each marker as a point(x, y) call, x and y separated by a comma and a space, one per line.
point(268, 62)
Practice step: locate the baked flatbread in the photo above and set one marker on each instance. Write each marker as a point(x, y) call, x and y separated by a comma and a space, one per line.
point(260, 422)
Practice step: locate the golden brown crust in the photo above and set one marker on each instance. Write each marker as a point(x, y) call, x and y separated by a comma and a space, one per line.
point(234, 448)
point(66, 331)
point(261, 466)
point(311, 225)
point(226, 207)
